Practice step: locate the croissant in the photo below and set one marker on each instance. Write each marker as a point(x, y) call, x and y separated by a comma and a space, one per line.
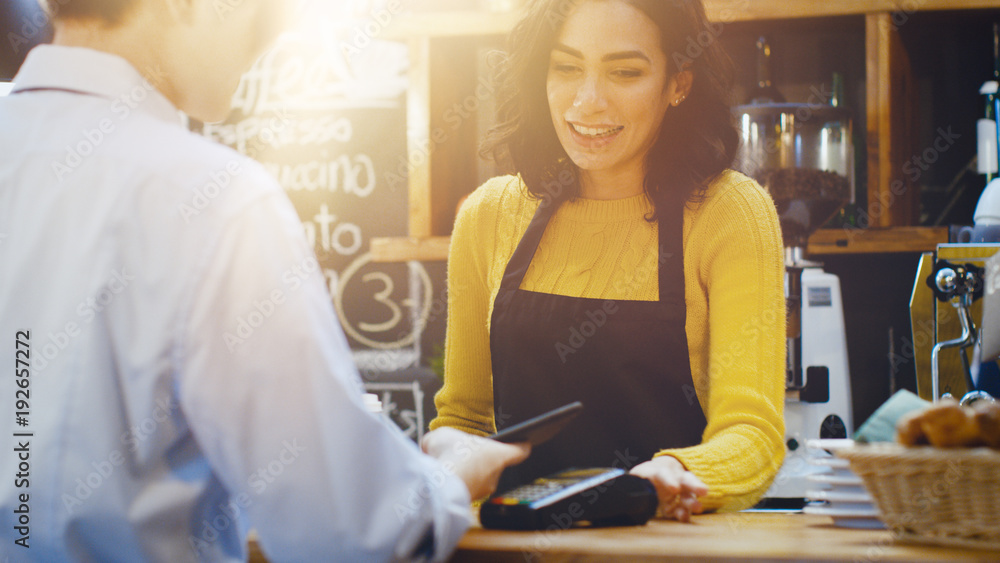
point(945, 424)
point(987, 416)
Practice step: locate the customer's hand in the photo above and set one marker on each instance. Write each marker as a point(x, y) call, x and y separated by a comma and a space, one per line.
point(677, 487)
point(477, 461)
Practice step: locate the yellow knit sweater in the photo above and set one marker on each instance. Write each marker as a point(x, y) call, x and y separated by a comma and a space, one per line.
point(734, 292)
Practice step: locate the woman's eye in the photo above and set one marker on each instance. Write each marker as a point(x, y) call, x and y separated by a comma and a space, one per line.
point(627, 73)
point(563, 68)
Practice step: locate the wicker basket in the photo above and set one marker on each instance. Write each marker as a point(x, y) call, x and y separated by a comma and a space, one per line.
point(933, 495)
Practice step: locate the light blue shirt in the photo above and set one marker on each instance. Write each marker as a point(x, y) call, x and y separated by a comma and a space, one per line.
point(188, 378)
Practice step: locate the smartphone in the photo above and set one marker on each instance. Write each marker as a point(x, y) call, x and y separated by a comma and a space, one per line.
point(540, 428)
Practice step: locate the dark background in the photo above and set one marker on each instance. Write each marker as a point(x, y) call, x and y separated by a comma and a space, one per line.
point(20, 20)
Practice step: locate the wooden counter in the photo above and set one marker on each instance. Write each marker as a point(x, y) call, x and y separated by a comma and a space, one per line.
point(710, 537)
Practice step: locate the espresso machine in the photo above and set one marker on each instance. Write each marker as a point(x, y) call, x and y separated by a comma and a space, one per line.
point(803, 155)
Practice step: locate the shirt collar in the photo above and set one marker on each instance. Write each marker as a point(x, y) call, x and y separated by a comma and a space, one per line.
point(94, 72)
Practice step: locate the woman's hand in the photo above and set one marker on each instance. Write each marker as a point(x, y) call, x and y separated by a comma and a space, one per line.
point(477, 461)
point(677, 487)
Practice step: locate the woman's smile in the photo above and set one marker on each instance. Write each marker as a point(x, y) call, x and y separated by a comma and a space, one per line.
point(594, 136)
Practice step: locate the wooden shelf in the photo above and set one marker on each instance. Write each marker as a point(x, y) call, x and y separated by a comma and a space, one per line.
point(483, 23)
point(823, 241)
point(401, 249)
point(742, 10)
point(451, 24)
point(873, 241)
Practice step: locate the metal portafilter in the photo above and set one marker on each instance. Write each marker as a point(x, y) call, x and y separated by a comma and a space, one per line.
point(960, 285)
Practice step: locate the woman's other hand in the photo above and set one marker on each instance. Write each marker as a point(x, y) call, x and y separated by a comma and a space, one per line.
point(677, 487)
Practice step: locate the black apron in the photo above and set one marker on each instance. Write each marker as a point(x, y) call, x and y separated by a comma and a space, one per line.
point(626, 361)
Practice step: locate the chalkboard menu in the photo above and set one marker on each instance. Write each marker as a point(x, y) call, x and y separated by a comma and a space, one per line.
point(325, 114)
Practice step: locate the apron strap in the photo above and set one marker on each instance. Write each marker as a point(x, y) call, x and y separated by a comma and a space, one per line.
point(670, 255)
point(517, 267)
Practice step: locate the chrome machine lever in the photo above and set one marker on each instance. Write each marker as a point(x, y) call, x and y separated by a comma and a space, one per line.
point(959, 285)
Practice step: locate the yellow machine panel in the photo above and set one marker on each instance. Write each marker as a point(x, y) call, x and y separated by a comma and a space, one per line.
point(934, 321)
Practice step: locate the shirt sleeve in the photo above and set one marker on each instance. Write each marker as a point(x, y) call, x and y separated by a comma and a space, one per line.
point(465, 401)
point(272, 396)
point(742, 265)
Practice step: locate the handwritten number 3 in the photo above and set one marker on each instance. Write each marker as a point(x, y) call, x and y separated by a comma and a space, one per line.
point(382, 297)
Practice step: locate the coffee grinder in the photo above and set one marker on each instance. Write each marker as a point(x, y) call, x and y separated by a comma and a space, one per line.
point(803, 155)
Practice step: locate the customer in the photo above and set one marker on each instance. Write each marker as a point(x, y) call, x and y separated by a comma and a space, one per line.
point(625, 266)
point(186, 376)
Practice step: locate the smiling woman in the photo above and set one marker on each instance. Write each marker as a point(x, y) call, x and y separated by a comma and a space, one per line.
point(624, 265)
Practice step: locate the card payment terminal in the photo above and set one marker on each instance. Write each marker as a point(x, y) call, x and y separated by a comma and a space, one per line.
point(573, 497)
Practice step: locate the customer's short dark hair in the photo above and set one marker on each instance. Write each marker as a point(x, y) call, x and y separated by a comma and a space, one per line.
point(697, 139)
point(109, 11)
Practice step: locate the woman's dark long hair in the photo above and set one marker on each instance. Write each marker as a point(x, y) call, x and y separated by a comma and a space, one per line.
point(697, 140)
